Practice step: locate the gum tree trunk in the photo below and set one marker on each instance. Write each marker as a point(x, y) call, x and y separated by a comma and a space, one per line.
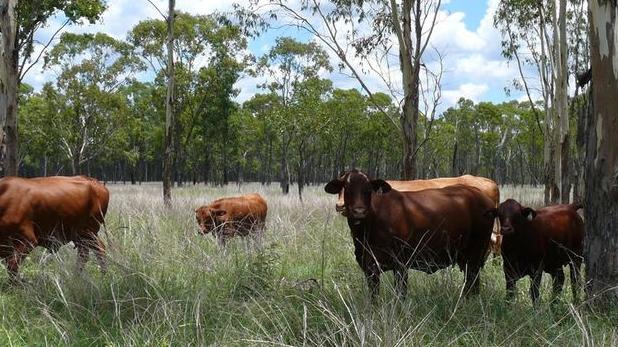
point(601, 203)
point(8, 86)
point(169, 111)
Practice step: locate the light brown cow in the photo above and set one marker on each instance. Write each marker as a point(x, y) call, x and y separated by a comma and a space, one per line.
point(227, 217)
point(50, 212)
point(485, 185)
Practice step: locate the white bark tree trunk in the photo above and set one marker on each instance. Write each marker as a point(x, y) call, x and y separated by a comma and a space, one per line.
point(169, 110)
point(601, 203)
point(8, 86)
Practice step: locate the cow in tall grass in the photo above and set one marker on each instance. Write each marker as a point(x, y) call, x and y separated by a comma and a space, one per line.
point(537, 241)
point(50, 212)
point(227, 217)
point(485, 185)
point(425, 230)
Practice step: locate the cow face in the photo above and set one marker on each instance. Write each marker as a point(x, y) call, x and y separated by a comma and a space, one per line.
point(357, 190)
point(208, 218)
point(512, 215)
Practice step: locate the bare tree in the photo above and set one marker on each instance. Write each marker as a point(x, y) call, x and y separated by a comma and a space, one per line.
point(601, 253)
point(168, 159)
point(404, 26)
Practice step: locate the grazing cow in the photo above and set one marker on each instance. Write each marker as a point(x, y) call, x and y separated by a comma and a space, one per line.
point(50, 212)
point(226, 217)
point(485, 185)
point(425, 230)
point(540, 240)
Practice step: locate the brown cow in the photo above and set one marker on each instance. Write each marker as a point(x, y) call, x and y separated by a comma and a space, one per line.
point(226, 217)
point(50, 212)
point(487, 186)
point(425, 230)
point(541, 240)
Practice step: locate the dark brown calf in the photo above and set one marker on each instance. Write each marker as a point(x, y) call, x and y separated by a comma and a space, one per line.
point(425, 230)
point(541, 240)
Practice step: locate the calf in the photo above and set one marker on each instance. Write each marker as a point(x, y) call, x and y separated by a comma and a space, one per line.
point(227, 217)
point(426, 230)
point(540, 240)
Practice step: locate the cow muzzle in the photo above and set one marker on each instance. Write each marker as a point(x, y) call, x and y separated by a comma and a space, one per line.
point(506, 230)
point(358, 212)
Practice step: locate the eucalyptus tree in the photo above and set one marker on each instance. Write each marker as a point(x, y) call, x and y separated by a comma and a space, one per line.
point(366, 35)
point(288, 64)
point(19, 22)
point(546, 40)
point(210, 56)
point(88, 106)
point(601, 208)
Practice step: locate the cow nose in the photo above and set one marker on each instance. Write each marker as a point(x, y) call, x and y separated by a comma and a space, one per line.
point(339, 207)
point(359, 211)
point(506, 229)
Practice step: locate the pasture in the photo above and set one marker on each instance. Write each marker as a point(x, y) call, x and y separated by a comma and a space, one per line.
point(168, 285)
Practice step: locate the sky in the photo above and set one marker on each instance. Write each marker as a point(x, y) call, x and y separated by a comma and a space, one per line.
point(464, 35)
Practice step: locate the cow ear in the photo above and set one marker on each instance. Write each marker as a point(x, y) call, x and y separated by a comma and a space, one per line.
point(334, 186)
point(528, 213)
point(380, 186)
point(491, 213)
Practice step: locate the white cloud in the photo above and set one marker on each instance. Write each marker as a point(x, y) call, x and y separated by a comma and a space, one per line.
point(470, 91)
point(471, 56)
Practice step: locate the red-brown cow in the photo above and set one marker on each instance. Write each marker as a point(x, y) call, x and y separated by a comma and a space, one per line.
point(541, 240)
point(227, 217)
point(426, 230)
point(485, 185)
point(50, 212)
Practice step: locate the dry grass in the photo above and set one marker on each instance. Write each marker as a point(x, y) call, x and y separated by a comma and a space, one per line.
point(167, 285)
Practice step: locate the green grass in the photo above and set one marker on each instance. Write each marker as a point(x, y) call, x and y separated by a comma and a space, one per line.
point(167, 285)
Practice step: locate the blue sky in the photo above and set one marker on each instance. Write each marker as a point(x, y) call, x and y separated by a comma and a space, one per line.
point(464, 35)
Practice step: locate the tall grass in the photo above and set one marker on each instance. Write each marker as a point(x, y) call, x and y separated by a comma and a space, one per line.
point(168, 285)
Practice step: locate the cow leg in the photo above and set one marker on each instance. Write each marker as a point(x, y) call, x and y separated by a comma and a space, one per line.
point(535, 285)
point(401, 282)
point(20, 251)
point(83, 252)
point(575, 266)
point(511, 285)
point(558, 282)
point(473, 280)
point(98, 248)
point(373, 281)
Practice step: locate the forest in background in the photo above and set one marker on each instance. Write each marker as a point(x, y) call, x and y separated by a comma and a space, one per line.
point(98, 118)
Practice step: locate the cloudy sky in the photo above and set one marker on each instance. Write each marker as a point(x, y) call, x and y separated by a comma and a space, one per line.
point(464, 36)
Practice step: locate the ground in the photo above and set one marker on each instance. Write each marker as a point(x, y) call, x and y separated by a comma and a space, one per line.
point(168, 285)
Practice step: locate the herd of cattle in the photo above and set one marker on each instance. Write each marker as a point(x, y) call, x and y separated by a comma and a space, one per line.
point(424, 225)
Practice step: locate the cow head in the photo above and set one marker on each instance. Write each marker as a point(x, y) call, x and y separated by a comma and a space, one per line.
point(209, 218)
point(512, 215)
point(357, 190)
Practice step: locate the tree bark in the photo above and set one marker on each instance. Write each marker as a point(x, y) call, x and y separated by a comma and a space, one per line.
point(562, 161)
point(601, 210)
point(169, 111)
point(409, 62)
point(8, 86)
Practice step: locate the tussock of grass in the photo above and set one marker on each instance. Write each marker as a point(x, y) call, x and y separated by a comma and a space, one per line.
point(168, 285)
